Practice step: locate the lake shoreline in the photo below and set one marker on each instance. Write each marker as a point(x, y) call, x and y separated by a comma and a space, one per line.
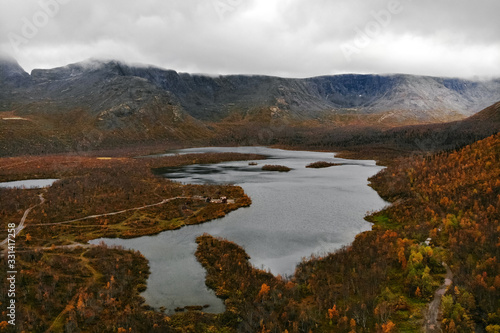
point(243, 169)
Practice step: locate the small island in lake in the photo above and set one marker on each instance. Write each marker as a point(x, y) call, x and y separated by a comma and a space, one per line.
point(279, 168)
point(322, 164)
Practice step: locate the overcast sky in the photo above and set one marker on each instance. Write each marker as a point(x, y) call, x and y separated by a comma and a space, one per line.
point(291, 38)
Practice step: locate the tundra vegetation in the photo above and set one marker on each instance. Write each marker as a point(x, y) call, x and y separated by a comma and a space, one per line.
point(322, 164)
point(386, 278)
point(445, 210)
point(279, 168)
point(75, 287)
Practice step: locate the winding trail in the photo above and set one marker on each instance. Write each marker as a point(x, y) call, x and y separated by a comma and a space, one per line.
point(21, 225)
point(58, 323)
point(432, 324)
point(23, 219)
point(118, 212)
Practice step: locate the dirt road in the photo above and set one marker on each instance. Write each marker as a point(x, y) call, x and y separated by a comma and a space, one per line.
point(432, 324)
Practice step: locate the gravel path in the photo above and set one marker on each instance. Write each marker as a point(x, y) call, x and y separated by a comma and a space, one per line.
point(432, 324)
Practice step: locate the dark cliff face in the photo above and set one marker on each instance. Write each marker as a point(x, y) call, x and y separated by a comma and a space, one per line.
point(374, 93)
point(105, 88)
point(12, 74)
point(12, 79)
point(213, 98)
point(353, 91)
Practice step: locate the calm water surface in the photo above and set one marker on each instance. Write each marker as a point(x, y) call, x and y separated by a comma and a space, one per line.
point(28, 184)
point(293, 215)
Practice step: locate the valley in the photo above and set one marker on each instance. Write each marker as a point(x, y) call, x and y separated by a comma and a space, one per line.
point(110, 136)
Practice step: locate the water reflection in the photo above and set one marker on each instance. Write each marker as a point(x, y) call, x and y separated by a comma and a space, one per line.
point(293, 215)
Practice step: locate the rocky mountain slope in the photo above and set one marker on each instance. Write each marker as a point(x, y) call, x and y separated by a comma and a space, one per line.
point(12, 77)
point(96, 104)
point(82, 107)
point(112, 90)
point(385, 144)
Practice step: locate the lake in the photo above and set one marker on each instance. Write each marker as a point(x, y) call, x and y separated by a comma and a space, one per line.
point(293, 215)
point(28, 184)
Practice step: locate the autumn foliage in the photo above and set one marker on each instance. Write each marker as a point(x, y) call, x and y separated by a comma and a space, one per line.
point(279, 168)
point(91, 186)
point(459, 196)
point(445, 210)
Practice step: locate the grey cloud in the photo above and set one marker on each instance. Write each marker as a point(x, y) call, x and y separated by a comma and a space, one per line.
point(290, 38)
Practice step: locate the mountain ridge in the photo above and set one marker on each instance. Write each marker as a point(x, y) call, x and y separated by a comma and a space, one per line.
point(213, 98)
point(96, 104)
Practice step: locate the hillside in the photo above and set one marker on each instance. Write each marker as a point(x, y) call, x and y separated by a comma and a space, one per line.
point(78, 131)
point(445, 214)
point(487, 116)
point(360, 138)
point(80, 108)
point(95, 105)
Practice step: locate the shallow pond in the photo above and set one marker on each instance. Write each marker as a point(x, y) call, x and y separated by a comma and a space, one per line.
point(28, 184)
point(293, 215)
